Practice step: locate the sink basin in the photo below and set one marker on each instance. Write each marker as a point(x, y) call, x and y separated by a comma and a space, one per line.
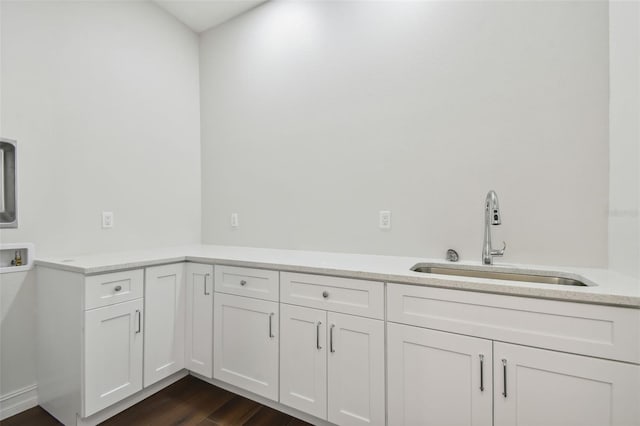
point(530, 277)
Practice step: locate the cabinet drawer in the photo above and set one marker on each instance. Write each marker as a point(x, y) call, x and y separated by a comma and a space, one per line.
point(594, 330)
point(107, 289)
point(356, 297)
point(257, 283)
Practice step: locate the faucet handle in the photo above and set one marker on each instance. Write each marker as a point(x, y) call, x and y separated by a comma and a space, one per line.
point(499, 252)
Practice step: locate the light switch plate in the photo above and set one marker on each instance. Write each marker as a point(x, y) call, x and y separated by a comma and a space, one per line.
point(107, 220)
point(384, 219)
point(234, 220)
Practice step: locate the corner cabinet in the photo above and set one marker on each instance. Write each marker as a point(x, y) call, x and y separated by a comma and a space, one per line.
point(199, 319)
point(246, 331)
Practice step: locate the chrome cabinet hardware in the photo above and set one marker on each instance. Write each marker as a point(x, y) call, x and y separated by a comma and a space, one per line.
point(318, 335)
point(139, 318)
point(206, 293)
point(118, 288)
point(325, 294)
point(271, 325)
point(331, 348)
point(243, 282)
point(481, 373)
point(504, 377)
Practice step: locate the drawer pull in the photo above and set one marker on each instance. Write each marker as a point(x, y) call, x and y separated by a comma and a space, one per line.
point(331, 348)
point(206, 293)
point(325, 294)
point(481, 373)
point(139, 318)
point(118, 288)
point(318, 335)
point(271, 325)
point(504, 377)
point(243, 282)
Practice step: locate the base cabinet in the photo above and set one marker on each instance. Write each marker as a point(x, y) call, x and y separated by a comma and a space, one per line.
point(246, 343)
point(332, 365)
point(303, 359)
point(164, 293)
point(438, 378)
point(199, 319)
point(113, 354)
point(356, 370)
point(541, 387)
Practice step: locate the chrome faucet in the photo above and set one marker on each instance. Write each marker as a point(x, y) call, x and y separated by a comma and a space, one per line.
point(491, 217)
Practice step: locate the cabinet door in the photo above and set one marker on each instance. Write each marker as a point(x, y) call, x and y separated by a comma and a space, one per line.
point(164, 298)
point(356, 370)
point(549, 388)
point(199, 319)
point(246, 343)
point(112, 354)
point(438, 378)
point(303, 359)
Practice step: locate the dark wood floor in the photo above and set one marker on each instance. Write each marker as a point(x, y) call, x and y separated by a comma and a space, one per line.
point(189, 401)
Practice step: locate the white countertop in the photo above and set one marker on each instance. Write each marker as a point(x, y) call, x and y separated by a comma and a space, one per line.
point(608, 287)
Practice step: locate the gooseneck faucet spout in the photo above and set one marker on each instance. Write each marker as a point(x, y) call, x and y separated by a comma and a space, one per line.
point(491, 217)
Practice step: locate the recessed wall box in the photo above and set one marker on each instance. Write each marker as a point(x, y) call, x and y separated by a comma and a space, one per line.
point(8, 175)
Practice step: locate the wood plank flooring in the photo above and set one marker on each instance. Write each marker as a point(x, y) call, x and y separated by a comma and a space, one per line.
point(189, 401)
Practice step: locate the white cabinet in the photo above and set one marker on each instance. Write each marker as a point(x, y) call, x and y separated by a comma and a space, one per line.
point(430, 371)
point(246, 343)
point(199, 319)
point(541, 387)
point(355, 370)
point(112, 354)
point(438, 378)
point(164, 321)
point(303, 359)
point(332, 365)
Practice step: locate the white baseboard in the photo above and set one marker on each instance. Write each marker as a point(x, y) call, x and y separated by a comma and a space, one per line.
point(18, 401)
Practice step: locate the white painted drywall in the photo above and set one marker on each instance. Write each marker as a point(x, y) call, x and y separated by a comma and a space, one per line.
point(624, 134)
point(316, 115)
point(103, 99)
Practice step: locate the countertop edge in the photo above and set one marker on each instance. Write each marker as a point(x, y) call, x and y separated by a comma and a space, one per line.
point(571, 296)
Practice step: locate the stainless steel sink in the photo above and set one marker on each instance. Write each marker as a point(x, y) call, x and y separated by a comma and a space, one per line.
point(530, 277)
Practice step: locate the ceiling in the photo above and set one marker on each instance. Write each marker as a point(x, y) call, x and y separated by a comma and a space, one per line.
point(200, 15)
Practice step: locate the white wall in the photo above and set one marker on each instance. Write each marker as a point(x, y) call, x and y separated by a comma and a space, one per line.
point(316, 115)
point(103, 99)
point(624, 113)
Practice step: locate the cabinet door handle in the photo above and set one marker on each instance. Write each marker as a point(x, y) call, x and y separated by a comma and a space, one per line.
point(331, 348)
point(481, 373)
point(504, 377)
point(271, 325)
point(139, 318)
point(243, 282)
point(118, 288)
point(318, 335)
point(205, 284)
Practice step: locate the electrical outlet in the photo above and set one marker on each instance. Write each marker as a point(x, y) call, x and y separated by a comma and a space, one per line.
point(107, 220)
point(384, 219)
point(234, 220)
